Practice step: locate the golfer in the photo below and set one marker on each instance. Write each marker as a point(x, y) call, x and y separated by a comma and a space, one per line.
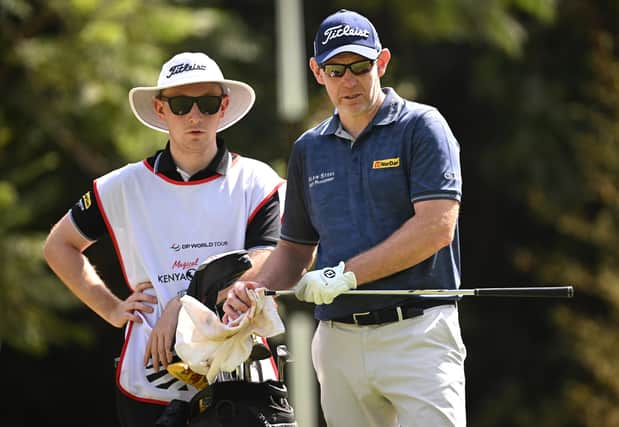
point(376, 189)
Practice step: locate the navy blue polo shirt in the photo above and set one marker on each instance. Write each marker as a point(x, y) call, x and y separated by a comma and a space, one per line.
point(349, 195)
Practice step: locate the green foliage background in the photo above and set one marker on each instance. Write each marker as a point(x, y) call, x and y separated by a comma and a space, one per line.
point(530, 88)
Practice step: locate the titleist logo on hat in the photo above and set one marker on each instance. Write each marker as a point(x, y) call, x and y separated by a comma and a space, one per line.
point(181, 68)
point(344, 31)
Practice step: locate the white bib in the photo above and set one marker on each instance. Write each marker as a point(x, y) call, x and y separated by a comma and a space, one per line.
point(162, 230)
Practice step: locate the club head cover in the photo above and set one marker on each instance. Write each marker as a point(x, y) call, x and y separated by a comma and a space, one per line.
point(217, 273)
point(259, 352)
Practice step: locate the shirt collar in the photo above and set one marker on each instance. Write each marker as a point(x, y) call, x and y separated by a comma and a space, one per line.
point(163, 162)
point(387, 113)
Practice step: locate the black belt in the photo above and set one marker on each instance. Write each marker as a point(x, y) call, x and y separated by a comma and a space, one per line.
point(392, 314)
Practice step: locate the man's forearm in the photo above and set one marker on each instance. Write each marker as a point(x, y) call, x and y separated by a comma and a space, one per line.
point(79, 275)
point(415, 241)
point(258, 258)
point(285, 265)
point(63, 251)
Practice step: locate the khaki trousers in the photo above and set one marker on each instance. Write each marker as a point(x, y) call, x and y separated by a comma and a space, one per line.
point(408, 373)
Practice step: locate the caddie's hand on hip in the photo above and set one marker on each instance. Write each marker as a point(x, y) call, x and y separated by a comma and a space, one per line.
point(322, 286)
point(138, 301)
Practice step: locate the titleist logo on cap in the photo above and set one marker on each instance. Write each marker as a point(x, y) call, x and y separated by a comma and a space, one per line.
point(181, 68)
point(343, 31)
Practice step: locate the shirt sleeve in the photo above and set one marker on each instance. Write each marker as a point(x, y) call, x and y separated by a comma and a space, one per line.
point(264, 228)
point(435, 161)
point(87, 217)
point(296, 224)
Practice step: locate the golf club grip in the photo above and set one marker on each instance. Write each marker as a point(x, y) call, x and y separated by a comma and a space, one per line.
point(536, 292)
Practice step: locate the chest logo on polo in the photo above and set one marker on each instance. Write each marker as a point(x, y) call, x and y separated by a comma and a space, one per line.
point(386, 163)
point(320, 178)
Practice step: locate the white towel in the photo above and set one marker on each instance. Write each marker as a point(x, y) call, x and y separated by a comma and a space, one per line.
point(209, 346)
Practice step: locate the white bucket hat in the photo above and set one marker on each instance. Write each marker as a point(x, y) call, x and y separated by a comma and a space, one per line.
point(187, 68)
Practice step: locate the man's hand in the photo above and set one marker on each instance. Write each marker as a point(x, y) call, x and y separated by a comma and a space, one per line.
point(138, 301)
point(161, 339)
point(237, 300)
point(322, 286)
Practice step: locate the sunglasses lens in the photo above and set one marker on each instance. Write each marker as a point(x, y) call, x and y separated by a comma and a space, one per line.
point(209, 104)
point(335, 70)
point(361, 67)
point(357, 68)
point(180, 105)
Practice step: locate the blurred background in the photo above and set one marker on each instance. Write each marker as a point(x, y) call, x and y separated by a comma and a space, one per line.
point(529, 87)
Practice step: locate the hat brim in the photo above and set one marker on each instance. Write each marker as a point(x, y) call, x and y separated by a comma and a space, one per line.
point(366, 52)
point(242, 98)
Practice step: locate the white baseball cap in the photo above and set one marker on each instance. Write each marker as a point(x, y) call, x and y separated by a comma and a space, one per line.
point(187, 68)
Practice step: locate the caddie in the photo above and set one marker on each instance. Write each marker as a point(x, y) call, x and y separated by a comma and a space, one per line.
point(165, 215)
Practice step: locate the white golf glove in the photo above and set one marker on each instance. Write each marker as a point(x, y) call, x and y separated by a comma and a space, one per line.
point(322, 286)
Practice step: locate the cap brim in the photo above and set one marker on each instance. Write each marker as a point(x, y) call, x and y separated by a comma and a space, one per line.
point(242, 98)
point(366, 52)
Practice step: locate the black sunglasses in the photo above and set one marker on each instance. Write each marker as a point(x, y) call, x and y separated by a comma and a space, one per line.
point(357, 68)
point(182, 104)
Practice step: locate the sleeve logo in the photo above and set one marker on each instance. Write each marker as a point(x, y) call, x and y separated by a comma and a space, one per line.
point(85, 202)
point(386, 163)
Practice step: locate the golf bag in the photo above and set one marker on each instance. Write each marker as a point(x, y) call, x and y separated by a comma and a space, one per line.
point(240, 403)
point(235, 401)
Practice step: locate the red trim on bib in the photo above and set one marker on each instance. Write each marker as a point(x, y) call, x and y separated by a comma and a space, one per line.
point(263, 202)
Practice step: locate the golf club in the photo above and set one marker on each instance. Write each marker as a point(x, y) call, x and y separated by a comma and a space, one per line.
point(514, 292)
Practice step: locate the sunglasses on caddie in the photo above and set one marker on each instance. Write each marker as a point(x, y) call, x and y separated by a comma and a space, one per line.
point(182, 104)
point(357, 68)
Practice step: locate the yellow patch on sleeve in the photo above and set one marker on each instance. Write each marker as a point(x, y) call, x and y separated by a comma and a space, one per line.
point(87, 200)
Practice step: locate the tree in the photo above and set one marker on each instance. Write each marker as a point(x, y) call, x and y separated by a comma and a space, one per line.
point(530, 88)
point(66, 70)
point(551, 153)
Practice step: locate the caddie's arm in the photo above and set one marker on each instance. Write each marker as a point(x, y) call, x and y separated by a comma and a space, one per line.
point(161, 338)
point(63, 251)
point(429, 230)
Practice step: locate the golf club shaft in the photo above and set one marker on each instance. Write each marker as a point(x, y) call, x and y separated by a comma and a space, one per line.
point(526, 292)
